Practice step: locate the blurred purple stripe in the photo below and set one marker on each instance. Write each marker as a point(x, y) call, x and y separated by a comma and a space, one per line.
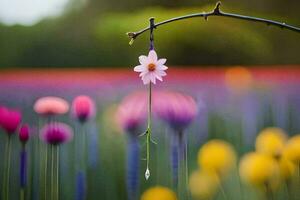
point(133, 153)
point(23, 168)
point(80, 186)
point(174, 162)
point(93, 146)
point(250, 108)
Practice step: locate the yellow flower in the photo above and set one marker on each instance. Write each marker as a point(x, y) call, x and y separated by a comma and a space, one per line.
point(292, 149)
point(217, 156)
point(287, 168)
point(271, 141)
point(203, 185)
point(159, 193)
point(259, 169)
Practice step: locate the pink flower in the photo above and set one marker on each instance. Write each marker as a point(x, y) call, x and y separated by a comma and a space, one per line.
point(151, 68)
point(24, 133)
point(83, 108)
point(56, 133)
point(175, 108)
point(51, 106)
point(132, 112)
point(9, 120)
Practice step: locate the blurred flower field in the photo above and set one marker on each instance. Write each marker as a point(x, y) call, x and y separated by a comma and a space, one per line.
point(218, 133)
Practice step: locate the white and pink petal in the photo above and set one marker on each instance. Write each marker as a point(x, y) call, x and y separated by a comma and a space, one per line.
point(140, 68)
point(143, 60)
point(153, 78)
point(161, 67)
point(161, 73)
point(158, 76)
point(152, 56)
point(161, 61)
point(146, 79)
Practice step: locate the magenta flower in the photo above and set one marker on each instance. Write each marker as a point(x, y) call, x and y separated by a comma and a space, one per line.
point(132, 112)
point(177, 109)
point(9, 120)
point(56, 133)
point(51, 106)
point(151, 68)
point(24, 133)
point(83, 108)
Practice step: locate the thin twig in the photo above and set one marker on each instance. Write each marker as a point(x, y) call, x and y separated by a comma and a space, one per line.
point(216, 12)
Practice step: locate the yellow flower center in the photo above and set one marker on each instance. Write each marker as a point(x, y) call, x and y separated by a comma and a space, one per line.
point(151, 67)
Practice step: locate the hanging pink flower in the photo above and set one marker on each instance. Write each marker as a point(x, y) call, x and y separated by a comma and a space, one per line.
point(24, 133)
point(51, 106)
point(56, 133)
point(9, 119)
point(151, 68)
point(132, 112)
point(83, 108)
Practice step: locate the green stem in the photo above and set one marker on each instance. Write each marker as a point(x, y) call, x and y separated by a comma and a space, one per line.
point(288, 189)
point(52, 172)
point(22, 194)
point(45, 172)
point(57, 172)
point(7, 174)
point(4, 172)
point(149, 127)
point(6, 169)
point(269, 193)
point(187, 170)
point(84, 150)
point(223, 192)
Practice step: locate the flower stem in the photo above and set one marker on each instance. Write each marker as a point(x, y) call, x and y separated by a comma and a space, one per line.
point(268, 192)
point(223, 191)
point(52, 172)
point(22, 193)
point(81, 168)
point(4, 171)
point(8, 167)
point(6, 175)
point(57, 172)
point(45, 172)
point(147, 175)
point(23, 172)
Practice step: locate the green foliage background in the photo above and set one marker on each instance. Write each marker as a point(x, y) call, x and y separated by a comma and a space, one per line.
point(92, 34)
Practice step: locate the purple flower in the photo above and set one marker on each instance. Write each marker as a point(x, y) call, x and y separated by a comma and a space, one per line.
point(83, 108)
point(132, 112)
point(9, 120)
point(24, 133)
point(177, 109)
point(56, 133)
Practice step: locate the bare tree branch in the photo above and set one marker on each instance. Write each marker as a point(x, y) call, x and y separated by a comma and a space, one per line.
point(216, 12)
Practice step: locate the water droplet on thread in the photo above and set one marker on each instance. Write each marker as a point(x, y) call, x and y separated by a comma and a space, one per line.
point(147, 174)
